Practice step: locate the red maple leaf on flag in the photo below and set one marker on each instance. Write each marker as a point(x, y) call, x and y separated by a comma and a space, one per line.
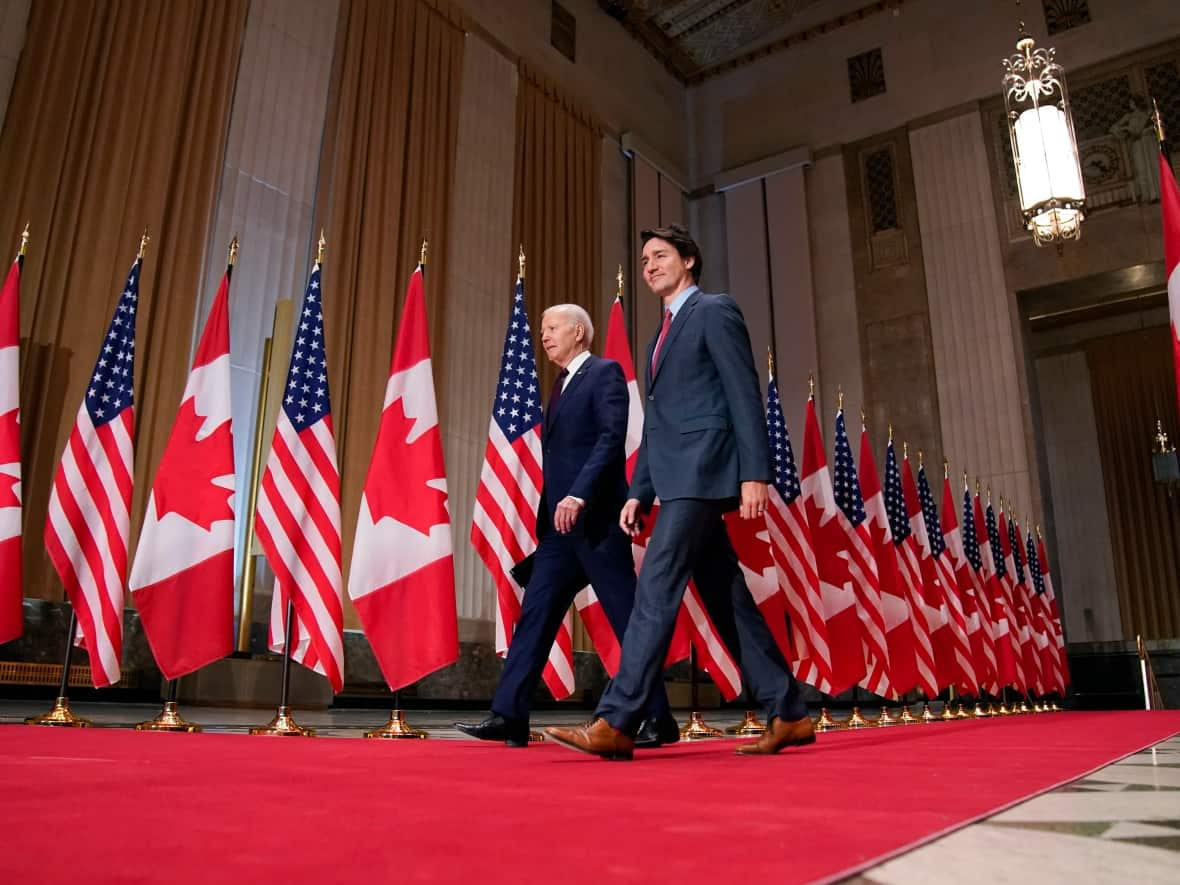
point(189, 467)
point(397, 484)
point(9, 442)
point(8, 498)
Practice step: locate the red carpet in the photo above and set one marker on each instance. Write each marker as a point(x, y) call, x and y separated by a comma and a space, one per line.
point(107, 805)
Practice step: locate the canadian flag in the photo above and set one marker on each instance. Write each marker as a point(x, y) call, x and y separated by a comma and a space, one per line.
point(402, 577)
point(845, 632)
point(11, 586)
point(182, 580)
point(899, 626)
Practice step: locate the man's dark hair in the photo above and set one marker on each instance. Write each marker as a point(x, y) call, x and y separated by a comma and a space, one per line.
point(681, 241)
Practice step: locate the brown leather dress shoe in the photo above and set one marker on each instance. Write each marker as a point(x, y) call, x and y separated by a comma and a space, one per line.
point(598, 738)
point(780, 734)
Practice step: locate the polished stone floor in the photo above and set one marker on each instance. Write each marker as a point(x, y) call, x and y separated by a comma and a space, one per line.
point(1120, 824)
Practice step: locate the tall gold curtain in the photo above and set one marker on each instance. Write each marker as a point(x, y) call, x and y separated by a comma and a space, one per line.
point(384, 186)
point(117, 122)
point(557, 213)
point(1133, 384)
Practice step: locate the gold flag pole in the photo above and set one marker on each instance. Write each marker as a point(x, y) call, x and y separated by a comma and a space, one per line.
point(396, 728)
point(24, 242)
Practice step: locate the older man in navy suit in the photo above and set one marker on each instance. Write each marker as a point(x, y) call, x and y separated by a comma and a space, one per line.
point(704, 452)
point(579, 540)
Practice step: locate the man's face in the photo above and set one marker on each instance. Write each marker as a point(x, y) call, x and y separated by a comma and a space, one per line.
point(665, 272)
point(561, 337)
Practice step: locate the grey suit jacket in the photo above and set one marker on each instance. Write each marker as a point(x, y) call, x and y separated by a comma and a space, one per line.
point(704, 427)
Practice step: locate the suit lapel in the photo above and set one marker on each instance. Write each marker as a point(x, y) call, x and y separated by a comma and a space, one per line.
point(570, 387)
point(678, 322)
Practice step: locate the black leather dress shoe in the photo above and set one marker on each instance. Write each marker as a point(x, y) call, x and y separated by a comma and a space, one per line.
point(656, 731)
point(512, 732)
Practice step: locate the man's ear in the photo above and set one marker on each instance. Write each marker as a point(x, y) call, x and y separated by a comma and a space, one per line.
point(579, 333)
point(690, 261)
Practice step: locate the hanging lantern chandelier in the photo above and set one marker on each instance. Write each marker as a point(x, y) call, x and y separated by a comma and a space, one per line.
point(1044, 147)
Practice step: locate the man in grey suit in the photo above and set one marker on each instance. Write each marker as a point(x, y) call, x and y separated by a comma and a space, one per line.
point(704, 453)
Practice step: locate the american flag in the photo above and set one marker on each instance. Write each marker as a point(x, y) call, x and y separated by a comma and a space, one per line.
point(298, 518)
point(983, 604)
point(1031, 639)
point(1054, 611)
point(948, 584)
point(910, 572)
point(1009, 660)
point(504, 527)
point(1054, 677)
point(790, 545)
point(88, 521)
point(11, 585)
point(862, 564)
point(899, 628)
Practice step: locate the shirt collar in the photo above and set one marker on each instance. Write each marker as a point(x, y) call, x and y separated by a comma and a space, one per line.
point(574, 365)
point(679, 301)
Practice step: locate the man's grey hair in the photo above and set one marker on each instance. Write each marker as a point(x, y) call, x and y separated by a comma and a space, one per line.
point(575, 314)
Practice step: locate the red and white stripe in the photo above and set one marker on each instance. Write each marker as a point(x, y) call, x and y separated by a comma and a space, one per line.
point(830, 543)
point(11, 584)
point(899, 627)
point(977, 629)
point(1054, 611)
point(933, 608)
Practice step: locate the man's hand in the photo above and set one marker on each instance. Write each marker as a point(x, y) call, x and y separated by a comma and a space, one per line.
point(567, 512)
point(753, 499)
point(629, 518)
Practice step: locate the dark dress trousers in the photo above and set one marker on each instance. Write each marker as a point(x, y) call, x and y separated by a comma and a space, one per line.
point(704, 433)
point(583, 441)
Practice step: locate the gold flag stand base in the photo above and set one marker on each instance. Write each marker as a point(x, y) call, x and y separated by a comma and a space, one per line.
point(169, 720)
point(1054, 708)
point(697, 730)
point(961, 712)
point(948, 713)
point(1024, 708)
point(887, 719)
point(1003, 710)
point(927, 715)
point(907, 718)
point(981, 712)
point(748, 727)
point(283, 726)
point(826, 722)
point(60, 716)
point(397, 729)
point(858, 721)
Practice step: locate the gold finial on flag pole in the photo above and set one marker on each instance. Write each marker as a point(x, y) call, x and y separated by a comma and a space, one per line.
point(989, 494)
point(921, 459)
point(1158, 121)
point(143, 241)
point(319, 252)
point(24, 241)
point(1038, 531)
point(233, 251)
point(769, 362)
point(905, 449)
point(520, 263)
point(839, 397)
point(619, 283)
point(891, 431)
point(946, 469)
point(811, 385)
point(966, 482)
point(422, 253)
point(863, 424)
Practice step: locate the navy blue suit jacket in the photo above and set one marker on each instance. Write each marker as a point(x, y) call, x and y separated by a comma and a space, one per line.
point(704, 426)
point(584, 442)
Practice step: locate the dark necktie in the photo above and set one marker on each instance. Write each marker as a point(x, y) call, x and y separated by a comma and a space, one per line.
point(555, 394)
point(655, 354)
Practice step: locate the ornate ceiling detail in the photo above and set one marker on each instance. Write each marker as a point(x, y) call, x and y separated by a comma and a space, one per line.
point(697, 39)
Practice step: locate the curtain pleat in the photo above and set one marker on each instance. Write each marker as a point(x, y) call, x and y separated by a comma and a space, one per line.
point(384, 186)
point(1133, 384)
point(117, 122)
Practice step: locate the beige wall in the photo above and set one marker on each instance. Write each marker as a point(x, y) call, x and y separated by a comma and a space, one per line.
point(937, 55)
